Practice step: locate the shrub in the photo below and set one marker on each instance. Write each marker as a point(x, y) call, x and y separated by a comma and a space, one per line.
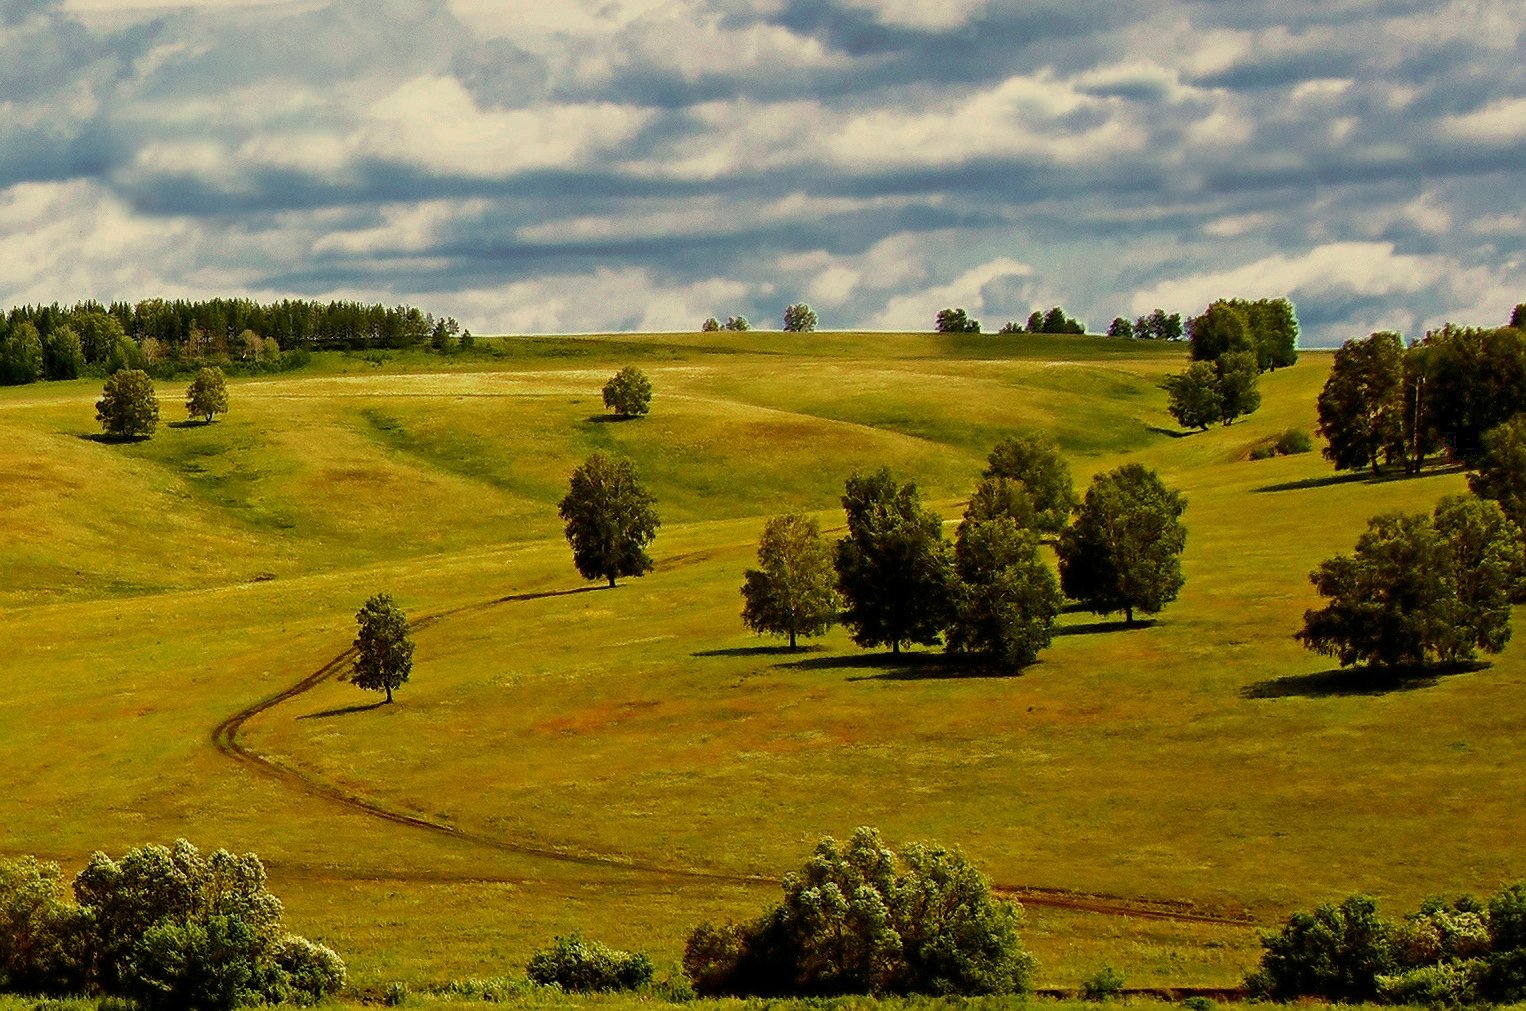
point(861, 918)
point(311, 971)
point(1294, 441)
point(494, 990)
point(1507, 917)
point(1503, 979)
point(1446, 984)
point(196, 965)
point(1263, 452)
point(396, 994)
point(1106, 984)
point(1335, 952)
point(1200, 1003)
point(578, 965)
point(42, 938)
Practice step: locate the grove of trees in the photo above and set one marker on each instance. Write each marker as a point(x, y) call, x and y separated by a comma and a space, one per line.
point(610, 519)
point(1267, 327)
point(955, 321)
point(1215, 392)
point(862, 918)
point(166, 927)
point(1420, 589)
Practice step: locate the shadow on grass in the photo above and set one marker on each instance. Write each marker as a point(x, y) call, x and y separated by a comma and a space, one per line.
point(192, 423)
point(1360, 477)
point(1174, 433)
point(112, 440)
point(344, 711)
point(1357, 681)
point(899, 666)
point(611, 419)
point(1099, 627)
point(759, 651)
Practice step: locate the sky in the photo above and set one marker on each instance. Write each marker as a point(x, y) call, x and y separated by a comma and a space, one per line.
point(601, 165)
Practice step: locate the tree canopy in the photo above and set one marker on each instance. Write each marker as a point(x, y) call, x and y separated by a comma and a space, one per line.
point(1033, 458)
point(207, 395)
point(799, 318)
point(628, 393)
point(129, 407)
point(955, 321)
point(1005, 598)
point(1361, 405)
point(609, 519)
point(383, 646)
point(793, 591)
point(1420, 588)
point(893, 567)
point(1501, 473)
point(1123, 553)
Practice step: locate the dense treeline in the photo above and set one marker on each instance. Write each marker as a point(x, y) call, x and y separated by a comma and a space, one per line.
point(173, 337)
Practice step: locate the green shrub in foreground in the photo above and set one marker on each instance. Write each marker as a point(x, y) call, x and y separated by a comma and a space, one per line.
point(578, 965)
point(862, 918)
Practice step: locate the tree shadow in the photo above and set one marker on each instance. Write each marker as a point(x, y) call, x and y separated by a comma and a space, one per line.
point(191, 423)
point(1362, 477)
point(758, 651)
point(611, 419)
point(1174, 433)
point(899, 666)
point(112, 440)
point(1342, 681)
point(344, 710)
point(1099, 627)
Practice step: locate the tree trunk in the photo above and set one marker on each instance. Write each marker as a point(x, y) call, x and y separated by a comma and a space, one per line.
point(895, 646)
point(792, 638)
point(389, 694)
point(611, 582)
point(1128, 616)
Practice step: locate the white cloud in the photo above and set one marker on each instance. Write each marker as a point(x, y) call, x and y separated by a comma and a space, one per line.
point(1504, 120)
point(916, 311)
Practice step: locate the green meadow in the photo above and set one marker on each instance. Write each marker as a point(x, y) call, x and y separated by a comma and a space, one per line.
point(631, 761)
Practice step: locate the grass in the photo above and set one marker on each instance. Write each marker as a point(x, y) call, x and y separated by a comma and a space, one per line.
point(626, 761)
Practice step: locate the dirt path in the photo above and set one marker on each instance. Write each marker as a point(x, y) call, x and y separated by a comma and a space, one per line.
point(225, 738)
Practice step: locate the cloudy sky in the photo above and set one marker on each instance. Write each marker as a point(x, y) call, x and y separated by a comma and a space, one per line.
point(591, 165)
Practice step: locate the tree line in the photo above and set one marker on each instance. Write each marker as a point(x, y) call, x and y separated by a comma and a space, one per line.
point(167, 337)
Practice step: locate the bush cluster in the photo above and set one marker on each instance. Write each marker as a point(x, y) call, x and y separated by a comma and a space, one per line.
point(579, 965)
point(167, 927)
point(1448, 953)
point(861, 918)
point(1290, 443)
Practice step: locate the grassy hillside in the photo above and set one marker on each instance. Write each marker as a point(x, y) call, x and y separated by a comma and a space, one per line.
point(631, 761)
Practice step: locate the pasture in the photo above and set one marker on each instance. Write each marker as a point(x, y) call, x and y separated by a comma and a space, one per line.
point(631, 761)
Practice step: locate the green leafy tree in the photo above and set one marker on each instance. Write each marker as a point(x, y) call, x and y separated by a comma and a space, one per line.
point(1221, 328)
point(710, 325)
point(1501, 473)
point(383, 647)
point(998, 497)
point(207, 395)
point(1120, 327)
point(893, 567)
point(1361, 407)
point(793, 591)
point(610, 519)
point(955, 321)
point(62, 355)
point(1335, 952)
point(1034, 459)
point(1123, 553)
point(1005, 598)
point(799, 318)
point(100, 334)
point(1274, 327)
point(862, 918)
point(1420, 588)
point(1057, 321)
point(1194, 397)
point(129, 407)
point(21, 356)
point(42, 937)
point(628, 392)
point(1476, 379)
point(1010, 327)
point(1239, 394)
point(737, 323)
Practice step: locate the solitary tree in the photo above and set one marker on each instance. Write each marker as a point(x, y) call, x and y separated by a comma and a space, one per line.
point(1034, 459)
point(207, 395)
point(893, 567)
point(383, 649)
point(1124, 551)
point(1420, 588)
point(799, 318)
point(1005, 598)
point(1361, 406)
point(610, 519)
point(793, 591)
point(628, 392)
point(128, 407)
